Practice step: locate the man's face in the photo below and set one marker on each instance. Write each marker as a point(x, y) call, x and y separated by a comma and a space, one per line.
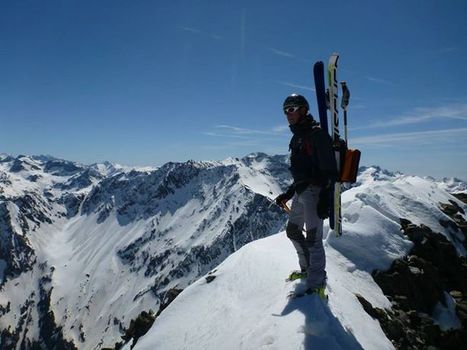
point(294, 114)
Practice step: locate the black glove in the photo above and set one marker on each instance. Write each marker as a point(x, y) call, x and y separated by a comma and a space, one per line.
point(324, 202)
point(285, 197)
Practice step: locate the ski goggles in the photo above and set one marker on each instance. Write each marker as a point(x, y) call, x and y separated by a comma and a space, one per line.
point(291, 109)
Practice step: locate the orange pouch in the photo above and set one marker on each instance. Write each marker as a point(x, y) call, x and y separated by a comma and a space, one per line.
point(350, 169)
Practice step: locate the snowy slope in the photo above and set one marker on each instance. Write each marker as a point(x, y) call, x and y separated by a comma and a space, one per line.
point(373, 210)
point(246, 305)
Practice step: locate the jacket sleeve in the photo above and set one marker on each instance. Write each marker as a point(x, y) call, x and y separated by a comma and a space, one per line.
point(326, 156)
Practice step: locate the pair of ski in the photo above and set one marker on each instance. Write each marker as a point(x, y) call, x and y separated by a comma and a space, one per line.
point(328, 100)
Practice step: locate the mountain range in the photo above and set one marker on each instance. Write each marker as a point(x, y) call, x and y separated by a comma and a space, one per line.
point(86, 250)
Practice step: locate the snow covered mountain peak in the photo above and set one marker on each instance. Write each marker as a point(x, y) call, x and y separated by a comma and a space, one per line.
point(376, 173)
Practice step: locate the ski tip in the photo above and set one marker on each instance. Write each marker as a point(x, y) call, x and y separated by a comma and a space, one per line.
point(318, 67)
point(333, 59)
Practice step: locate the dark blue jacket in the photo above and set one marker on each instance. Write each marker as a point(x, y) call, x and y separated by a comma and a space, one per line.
point(312, 158)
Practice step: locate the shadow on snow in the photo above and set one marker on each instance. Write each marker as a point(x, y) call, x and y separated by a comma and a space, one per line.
point(322, 329)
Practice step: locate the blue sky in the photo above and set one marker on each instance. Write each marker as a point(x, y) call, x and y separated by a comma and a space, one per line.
point(146, 82)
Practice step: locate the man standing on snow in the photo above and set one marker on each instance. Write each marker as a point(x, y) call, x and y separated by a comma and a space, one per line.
point(313, 168)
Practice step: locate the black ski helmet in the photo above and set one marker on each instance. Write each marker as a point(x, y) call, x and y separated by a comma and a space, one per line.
point(296, 100)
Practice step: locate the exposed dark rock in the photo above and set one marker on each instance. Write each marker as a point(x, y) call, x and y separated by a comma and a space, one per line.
point(457, 222)
point(413, 279)
point(62, 167)
point(449, 224)
point(8, 339)
point(143, 323)
point(452, 208)
point(136, 195)
point(5, 309)
point(461, 196)
point(50, 335)
point(157, 262)
point(168, 298)
point(81, 180)
point(34, 178)
point(32, 211)
point(415, 285)
point(6, 159)
point(461, 306)
point(370, 310)
point(4, 180)
point(20, 164)
point(210, 278)
point(71, 201)
point(33, 208)
point(414, 330)
point(15, 249)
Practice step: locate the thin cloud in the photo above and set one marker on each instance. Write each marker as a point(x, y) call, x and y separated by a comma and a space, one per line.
point(190, 29)
point(379, 81)
point(423, 115)
point(233, 138)
point(281, 53)
point(197, 31)
point(248, 135)
point(242, 131)
point(419, 137)
point(289, 55)
point(296, 86)
point(215, 134)
point(280, 129)
point(233, 145)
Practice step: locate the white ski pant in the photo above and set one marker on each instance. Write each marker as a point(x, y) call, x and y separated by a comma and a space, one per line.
point(309, 244)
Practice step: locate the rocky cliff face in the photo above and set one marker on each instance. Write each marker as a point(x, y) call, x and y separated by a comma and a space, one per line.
point(427, 288)
point(429, 281)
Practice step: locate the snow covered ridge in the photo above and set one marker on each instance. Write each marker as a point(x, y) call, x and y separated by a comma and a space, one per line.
point(243, 304)
point(86, 249)
point(453, 185)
